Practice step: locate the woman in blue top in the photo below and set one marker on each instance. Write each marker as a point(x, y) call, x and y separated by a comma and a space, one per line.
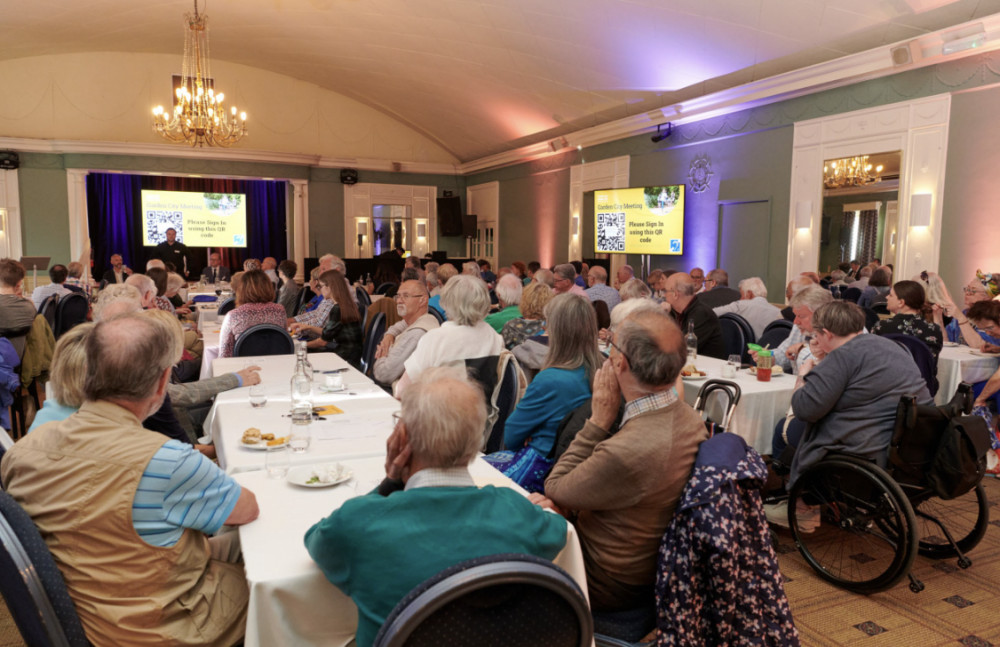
point(563, 384)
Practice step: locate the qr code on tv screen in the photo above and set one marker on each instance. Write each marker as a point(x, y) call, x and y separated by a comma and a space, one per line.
point(611, 232)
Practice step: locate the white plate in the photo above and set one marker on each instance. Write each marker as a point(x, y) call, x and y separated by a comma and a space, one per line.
point(694, 378)
point(322, 388)
point(983, 354)
point(303, 473)
point(950, 344)
point(262, 446)
point(753, 371)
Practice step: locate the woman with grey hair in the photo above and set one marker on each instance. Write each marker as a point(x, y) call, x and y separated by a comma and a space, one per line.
point(562, 385)
point(634, 289)
point(508, 290)
point(464, 336)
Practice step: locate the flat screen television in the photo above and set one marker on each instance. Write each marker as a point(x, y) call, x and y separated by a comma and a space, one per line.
point(200, 219)
point(643, 220)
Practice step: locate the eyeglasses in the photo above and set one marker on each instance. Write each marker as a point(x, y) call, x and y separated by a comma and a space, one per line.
point(400, 295)
point(969, 290)
point(611, 341)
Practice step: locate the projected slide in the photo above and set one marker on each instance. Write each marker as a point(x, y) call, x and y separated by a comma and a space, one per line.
point(201, 219)
point(645, 220)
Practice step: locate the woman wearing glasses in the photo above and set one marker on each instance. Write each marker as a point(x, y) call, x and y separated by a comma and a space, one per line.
point(961, 329)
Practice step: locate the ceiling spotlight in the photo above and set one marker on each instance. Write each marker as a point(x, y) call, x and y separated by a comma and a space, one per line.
point(662, 133)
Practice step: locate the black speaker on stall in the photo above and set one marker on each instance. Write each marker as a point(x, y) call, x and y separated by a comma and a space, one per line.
point(449, 213)
point(348, 176)
point(469, 222)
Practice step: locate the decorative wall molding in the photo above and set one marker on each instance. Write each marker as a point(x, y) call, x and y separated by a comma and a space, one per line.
point(919, 129)
point(358, 201)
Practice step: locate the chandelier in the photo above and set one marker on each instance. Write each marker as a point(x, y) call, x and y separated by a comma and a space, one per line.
point(198, 117)
point(850, 171)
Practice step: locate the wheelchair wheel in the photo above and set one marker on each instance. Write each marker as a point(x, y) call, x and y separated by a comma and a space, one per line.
point(966, 518)
point(853, 524)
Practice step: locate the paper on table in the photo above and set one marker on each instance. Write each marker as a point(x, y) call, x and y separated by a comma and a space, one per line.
point(327, 410)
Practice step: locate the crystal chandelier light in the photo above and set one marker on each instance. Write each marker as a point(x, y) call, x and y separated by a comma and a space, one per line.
point(198, 117)
point(850, 171)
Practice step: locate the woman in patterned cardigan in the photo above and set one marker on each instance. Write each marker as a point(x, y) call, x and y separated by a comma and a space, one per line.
point(254, 305)
point(911, 313)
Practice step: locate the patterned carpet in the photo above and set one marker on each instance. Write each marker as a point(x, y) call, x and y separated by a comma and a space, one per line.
point(957, 607)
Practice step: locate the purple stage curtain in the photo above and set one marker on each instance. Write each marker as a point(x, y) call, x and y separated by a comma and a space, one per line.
point(114, 204)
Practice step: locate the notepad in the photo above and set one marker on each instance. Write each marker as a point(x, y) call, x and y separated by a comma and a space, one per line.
point(327, 410)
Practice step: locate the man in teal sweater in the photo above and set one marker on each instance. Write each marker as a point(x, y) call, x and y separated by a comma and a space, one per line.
point(428, 514)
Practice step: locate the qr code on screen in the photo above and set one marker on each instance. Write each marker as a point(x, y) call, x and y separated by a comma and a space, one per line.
point(611, 232)
point(159, 221)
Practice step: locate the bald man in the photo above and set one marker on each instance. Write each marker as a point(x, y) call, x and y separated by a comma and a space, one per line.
point(599, 289)
point(402, 337)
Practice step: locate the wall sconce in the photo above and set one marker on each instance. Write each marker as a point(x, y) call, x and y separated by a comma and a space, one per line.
point(576, 226)
point(803, 214)
point(362, 228)
point(421, 230)
point(920, 210)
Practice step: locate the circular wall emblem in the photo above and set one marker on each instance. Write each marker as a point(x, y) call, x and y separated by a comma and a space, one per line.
point(700, 174)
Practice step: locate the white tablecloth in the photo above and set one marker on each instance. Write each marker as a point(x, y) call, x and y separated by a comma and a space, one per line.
point(210, 350)
point(360, 431)
point(957, 364)
point(291, 601)
point(761, 405)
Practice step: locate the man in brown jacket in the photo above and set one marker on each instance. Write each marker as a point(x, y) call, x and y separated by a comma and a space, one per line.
point(621, 490)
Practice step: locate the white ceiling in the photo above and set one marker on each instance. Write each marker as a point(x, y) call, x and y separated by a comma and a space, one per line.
point(481, 77)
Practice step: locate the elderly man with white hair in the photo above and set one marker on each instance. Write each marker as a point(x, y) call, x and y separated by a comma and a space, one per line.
point(401, 339)
point(794, 351)
point(753, 305)
point(508, 290)
point(146, 287)
point(428, 514)
point(465, 336)
point(599, 289)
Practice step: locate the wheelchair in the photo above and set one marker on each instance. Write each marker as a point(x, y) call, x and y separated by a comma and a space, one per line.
point(860, 527)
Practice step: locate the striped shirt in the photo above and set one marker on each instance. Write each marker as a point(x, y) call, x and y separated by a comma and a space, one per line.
point(318, 316)
point(180, 488)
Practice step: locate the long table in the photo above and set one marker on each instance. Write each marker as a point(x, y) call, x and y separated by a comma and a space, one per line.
point(361, 430)
point(291, 601)
point(957, 364)
point(761, 404)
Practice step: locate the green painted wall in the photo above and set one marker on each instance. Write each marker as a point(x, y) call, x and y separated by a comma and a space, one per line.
point(44, 207)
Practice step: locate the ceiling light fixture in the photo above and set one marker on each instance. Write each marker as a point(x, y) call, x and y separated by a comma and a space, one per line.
point(850, 171)
point(198, 117)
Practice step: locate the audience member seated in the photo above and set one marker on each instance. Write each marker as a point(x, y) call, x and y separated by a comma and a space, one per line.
point(986, 317)
point(565, 280)
point(621, 314)
point(342, 333)
point(960, 329)
point(317, 309)
point(687, 308)
point(444, 273)
point(102, 490)
point(562, 385)
point(174, 284)
point(794, 351)
point(545, 276)
point(146, 288)
point(849, 399)
point(66, 376)
point(252, 264)
point(698, 276)
point(464, 336)
point(57, 278)
point(215, 272)
point(910, 316)
point(159, 278)
point(837, 278)
point(532, 320)
point(16, 312)
point(270, 267)
point(717, 291)
point(862, 278)
point(634, 289)
point(400, 339)
point(621, 490)
point(622, 276)
point(288, 295)
point(118, 271)
point(254, 305)
point(877, 290)
point(599, 290)
point(753, 305)
point(74, 278)
point(521, 271)
point(509, 291)
point(376, 548)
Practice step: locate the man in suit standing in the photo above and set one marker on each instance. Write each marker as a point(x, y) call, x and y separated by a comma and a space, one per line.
point(215, 272)
point(118, 272)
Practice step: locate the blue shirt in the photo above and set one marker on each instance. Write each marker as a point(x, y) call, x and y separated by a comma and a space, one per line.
point(313, 303)
point(435, 302)
point(954, 333)
point(51, 411)
point(181, 488)
point(551, 395)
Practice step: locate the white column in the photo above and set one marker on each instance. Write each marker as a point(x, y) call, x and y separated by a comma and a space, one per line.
point(300, 225)
point(79, 230)
point(10, 203)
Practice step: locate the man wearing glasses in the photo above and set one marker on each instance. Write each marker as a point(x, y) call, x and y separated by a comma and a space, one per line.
point(401, 338)
point(621, 490)
point(565, 280)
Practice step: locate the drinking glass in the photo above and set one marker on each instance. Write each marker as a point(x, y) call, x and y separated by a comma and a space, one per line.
point(732, 366)
point(277, 462)
point(299, 432)
point(258, 396)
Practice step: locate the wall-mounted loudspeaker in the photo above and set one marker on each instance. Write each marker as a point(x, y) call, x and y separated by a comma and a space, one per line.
point(349, 176)
point(9, 160)
point(469, 222)
point(906, 53)
point(449, 213)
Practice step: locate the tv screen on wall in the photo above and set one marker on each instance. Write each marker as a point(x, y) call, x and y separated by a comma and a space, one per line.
point(644, 220)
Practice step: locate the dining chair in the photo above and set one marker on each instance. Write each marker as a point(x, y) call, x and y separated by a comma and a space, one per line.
point(32, 585)
point(504, 599)
point(264, 339)
point(71, 310)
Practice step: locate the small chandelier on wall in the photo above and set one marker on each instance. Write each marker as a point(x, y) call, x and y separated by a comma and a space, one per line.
point(198, 117)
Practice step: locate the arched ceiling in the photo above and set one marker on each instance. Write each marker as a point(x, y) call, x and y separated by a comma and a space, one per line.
point(482, 77)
